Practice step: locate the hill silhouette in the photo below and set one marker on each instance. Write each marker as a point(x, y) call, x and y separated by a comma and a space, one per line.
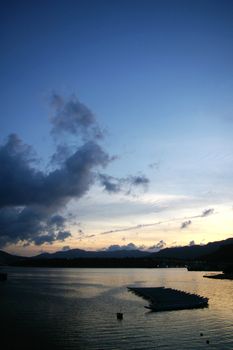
point(219, 251)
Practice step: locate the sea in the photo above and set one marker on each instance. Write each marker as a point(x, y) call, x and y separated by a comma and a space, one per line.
point(75, 308)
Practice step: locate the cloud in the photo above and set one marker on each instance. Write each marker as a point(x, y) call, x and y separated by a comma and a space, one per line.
point(31, 198)
point(90, 236)
point(57, 220)
point(42, 239)
point(115, 247)
point(207, 212)
point(63, 152)
point(62, 235)
point(126, 184)
point(110, 183)
point(158, 246)
point(131, 246)
point(30, 225)
point(185, 224)
point(136, 227)
point(73, 117)
point(22, 184)
point(154, 165)
point(140, 180)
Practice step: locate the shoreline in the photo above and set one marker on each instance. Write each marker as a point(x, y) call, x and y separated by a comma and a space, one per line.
point(221, 276)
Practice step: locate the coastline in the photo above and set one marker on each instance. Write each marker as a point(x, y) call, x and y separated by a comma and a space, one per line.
point(221, 276)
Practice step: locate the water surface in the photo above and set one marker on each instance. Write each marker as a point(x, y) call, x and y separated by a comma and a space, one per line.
point(76, 309)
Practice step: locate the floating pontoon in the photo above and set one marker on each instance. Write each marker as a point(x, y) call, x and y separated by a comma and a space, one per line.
point(167, 299)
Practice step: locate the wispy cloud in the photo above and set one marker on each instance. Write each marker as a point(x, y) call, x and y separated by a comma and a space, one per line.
point(154, 165)
point(73, 117)
point(130, 228)
point(126, 184)
point(207, 212)
point(186, 221)
point(185, 224)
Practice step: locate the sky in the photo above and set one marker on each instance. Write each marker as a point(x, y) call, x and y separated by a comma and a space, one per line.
point(116, 124)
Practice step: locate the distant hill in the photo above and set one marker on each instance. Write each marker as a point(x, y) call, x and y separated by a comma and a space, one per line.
point(223, 254)
point(192, 252)
point(6, 258)
point(79, 253)
point(220, 251)
point(183, 253)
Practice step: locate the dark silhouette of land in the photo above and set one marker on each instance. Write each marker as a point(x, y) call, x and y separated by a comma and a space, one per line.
point(214, 256)
point(195, 252)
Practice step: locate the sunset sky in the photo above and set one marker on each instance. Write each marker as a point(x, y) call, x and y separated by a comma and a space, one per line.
point(116, 124)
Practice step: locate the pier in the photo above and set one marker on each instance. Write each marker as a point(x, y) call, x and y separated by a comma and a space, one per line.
point(168, 299)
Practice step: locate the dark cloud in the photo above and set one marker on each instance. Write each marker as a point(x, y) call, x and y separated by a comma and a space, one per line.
point(74, 117)
point(18, 179)
point(57, 220)
point(49, 238)
point(158, 246)
point(21, 184)
point(126, 184)
point(110, 183)
point(32, 199)
point(115, 247)
point(207, 212)
point(131, 246)
point(42, 239)
point(21, 224)
point(30, 225)
point(62, 235)
point(185, 224)
point(140, 180)
point(62, 153)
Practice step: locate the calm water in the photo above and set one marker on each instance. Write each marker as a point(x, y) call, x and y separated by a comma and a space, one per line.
point(75, 309)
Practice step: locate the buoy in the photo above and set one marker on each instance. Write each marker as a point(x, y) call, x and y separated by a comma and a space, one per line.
point(201, 334)
point(119, 315)
point(207, 341)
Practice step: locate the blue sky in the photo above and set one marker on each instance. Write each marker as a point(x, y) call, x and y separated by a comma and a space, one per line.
point(158, 77)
